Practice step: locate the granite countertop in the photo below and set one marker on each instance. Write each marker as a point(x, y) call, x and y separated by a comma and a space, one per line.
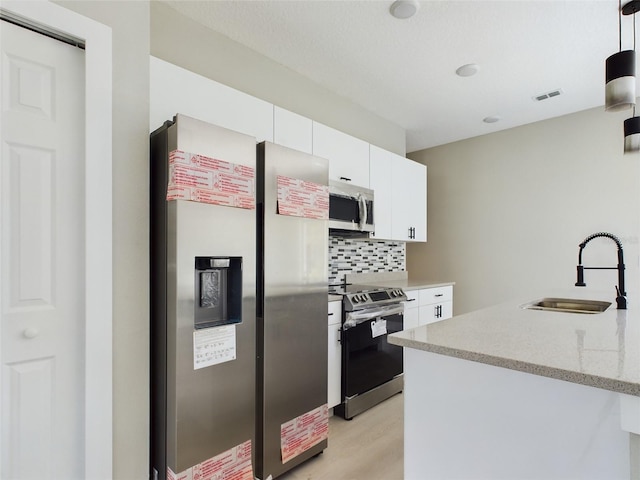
point(392, 280)
point(395, 280)
point(599, 350)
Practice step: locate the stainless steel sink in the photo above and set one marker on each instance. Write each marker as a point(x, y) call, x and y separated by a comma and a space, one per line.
point(569, 305)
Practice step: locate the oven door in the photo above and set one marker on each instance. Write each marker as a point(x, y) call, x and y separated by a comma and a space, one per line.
point(368, 360)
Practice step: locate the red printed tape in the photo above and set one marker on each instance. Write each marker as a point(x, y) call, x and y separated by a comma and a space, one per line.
point(299, 198)
point(301, 433)
point(234, 464)
point(210, 180)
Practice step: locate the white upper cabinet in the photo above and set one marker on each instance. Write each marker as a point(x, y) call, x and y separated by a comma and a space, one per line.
point(292, 130)
point(380, 165)
point(400, 189)
point(176, 90)
point(348, 156)
point(409, 184)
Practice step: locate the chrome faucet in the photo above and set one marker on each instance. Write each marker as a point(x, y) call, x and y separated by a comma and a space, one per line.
point(621, 295)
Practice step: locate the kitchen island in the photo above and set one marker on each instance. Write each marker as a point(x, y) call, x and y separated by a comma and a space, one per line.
point(507, 392)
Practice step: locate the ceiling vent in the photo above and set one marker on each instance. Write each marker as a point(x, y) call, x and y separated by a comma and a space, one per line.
point(544, 96)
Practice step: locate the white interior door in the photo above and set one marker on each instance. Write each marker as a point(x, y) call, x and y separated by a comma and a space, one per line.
point(42, 256)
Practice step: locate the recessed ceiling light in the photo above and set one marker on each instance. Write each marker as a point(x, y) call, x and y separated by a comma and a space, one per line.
point(468, 70)
point(404, 8)
point(492, 119)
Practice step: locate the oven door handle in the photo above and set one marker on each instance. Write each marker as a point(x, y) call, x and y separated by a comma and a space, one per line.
point(367, 314)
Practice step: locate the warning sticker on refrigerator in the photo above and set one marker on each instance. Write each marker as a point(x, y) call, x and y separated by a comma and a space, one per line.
point(303, 432)
point(209, 180)
point(299, 198)
point(234, 464)
point(214, 345)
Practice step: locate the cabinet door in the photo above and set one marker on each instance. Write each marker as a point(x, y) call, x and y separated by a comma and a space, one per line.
point(380, 182)
point(409, 180)
point(174, 89)
point(435, 312)
point(335, 355)
point(411, 311)
point(411, 317)
point(348, 156)
point(292, 130)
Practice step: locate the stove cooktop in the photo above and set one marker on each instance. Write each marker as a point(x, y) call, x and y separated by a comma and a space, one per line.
point(362, 296)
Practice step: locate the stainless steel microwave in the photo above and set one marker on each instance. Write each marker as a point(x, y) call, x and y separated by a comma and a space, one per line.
point(351, 208)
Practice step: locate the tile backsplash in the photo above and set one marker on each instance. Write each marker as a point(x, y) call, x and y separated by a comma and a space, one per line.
point(348, 255)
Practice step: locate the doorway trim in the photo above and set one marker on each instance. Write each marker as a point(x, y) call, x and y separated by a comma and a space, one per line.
point(98, 415)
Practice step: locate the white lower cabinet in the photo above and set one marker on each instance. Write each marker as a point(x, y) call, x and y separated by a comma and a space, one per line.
point(411, 310)
point(335, 354)
point(427, 305)
point(436, 304)
point(435, 312)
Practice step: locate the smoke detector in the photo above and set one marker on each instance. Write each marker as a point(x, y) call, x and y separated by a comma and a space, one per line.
point(468, 70)
point(404, 8)
point(492, 119)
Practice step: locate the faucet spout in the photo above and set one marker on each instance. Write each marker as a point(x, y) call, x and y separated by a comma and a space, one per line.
point(621, 294)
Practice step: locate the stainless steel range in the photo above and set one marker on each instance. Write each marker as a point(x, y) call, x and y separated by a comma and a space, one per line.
point(371, 367)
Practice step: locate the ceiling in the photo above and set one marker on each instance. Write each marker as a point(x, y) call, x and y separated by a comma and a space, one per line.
point(404, 70)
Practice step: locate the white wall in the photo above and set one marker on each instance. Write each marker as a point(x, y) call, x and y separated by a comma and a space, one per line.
point(130, 28)
point(183, 42)
point(507, 211)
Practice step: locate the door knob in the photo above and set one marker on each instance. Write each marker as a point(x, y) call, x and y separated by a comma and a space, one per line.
point(30, 332)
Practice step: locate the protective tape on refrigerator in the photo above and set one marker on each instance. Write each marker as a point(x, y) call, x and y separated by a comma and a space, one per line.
point(234, 464)
point(198, 178)
point(299, 198)
point(303, 432)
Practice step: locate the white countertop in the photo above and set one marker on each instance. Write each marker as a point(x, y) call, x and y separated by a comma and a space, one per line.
point(600, 350)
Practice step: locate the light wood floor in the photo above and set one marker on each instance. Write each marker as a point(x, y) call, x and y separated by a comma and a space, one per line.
point(368, 447)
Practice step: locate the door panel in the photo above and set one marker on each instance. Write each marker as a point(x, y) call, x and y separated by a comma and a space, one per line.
point(42, 256)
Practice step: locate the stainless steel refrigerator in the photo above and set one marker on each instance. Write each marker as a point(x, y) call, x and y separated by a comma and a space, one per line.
point(203, 302)
point(292, 311)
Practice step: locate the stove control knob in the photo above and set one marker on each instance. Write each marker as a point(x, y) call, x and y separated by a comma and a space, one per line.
point(355, 299)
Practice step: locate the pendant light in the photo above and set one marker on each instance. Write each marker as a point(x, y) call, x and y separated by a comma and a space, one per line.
point(620, 89)
point(632, 125)
point(632, 134)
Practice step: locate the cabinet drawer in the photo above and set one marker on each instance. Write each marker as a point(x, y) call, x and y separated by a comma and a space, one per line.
point(435, 312)
point(436, 295)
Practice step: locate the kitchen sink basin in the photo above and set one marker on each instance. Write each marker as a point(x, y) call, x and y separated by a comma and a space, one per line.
point(569, 305)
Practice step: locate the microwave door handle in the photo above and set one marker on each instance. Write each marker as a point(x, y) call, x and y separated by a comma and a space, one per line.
point(362, 203)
